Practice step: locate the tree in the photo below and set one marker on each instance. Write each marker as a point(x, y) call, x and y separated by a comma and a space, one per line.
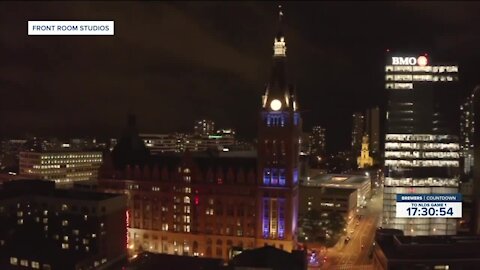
point(323, 228)
point(332, 225)
point(311, 226)
point(336, 222)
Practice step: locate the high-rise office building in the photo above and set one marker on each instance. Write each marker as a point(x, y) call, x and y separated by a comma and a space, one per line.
point(466, 132)
point(358, 129)
point(306, 144)
point(204, 127)
point(475, 220)
point(12, 146)
point(421, 154)
point(372, 128)
point(318, 141)
point(9, 154)
point(62, 167)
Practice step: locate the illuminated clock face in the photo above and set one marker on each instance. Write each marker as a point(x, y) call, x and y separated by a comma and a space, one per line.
point(276, 105)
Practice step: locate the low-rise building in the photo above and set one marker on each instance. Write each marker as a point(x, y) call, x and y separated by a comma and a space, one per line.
point(326, 200)
point(334, 192)
point(63, 167)
point(395, 251)
point(42, 227)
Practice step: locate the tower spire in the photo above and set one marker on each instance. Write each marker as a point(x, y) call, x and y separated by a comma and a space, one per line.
point(279, 47)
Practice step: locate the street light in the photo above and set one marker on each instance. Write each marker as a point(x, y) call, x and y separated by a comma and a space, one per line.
point(361, 241)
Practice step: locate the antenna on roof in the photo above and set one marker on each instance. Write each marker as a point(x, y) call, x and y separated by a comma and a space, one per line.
point(280, 13)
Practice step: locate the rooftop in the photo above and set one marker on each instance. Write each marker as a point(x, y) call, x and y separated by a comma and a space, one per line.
point(337, 180)
point(152, 261)
point(63, 151)
point(27, 242)
point(399, 247)
point(207, 160)
point(31, 187)
point(269, 257)
point(338, 191)
point(437, 240)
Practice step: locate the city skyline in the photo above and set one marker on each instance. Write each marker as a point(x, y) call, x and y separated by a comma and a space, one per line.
point(183, 55)
point(139, 135)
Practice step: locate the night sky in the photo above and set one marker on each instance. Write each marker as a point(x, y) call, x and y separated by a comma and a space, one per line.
point(171, 63)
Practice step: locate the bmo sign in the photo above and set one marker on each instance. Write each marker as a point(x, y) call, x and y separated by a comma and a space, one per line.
point(410, 61)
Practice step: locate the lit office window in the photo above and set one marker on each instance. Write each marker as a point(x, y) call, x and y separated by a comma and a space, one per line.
point(402, 77)
point(35, 265)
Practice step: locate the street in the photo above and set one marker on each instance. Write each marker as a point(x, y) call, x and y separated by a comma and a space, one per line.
point(352, 255)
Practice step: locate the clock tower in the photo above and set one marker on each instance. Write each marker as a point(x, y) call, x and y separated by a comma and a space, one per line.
point(280, 127)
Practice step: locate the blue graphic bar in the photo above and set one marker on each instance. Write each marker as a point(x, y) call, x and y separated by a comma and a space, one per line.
point(429, 197)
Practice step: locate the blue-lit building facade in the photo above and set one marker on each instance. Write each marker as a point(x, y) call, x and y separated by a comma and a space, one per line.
point(209, 204)
point(279, 140)
point(421, 153)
